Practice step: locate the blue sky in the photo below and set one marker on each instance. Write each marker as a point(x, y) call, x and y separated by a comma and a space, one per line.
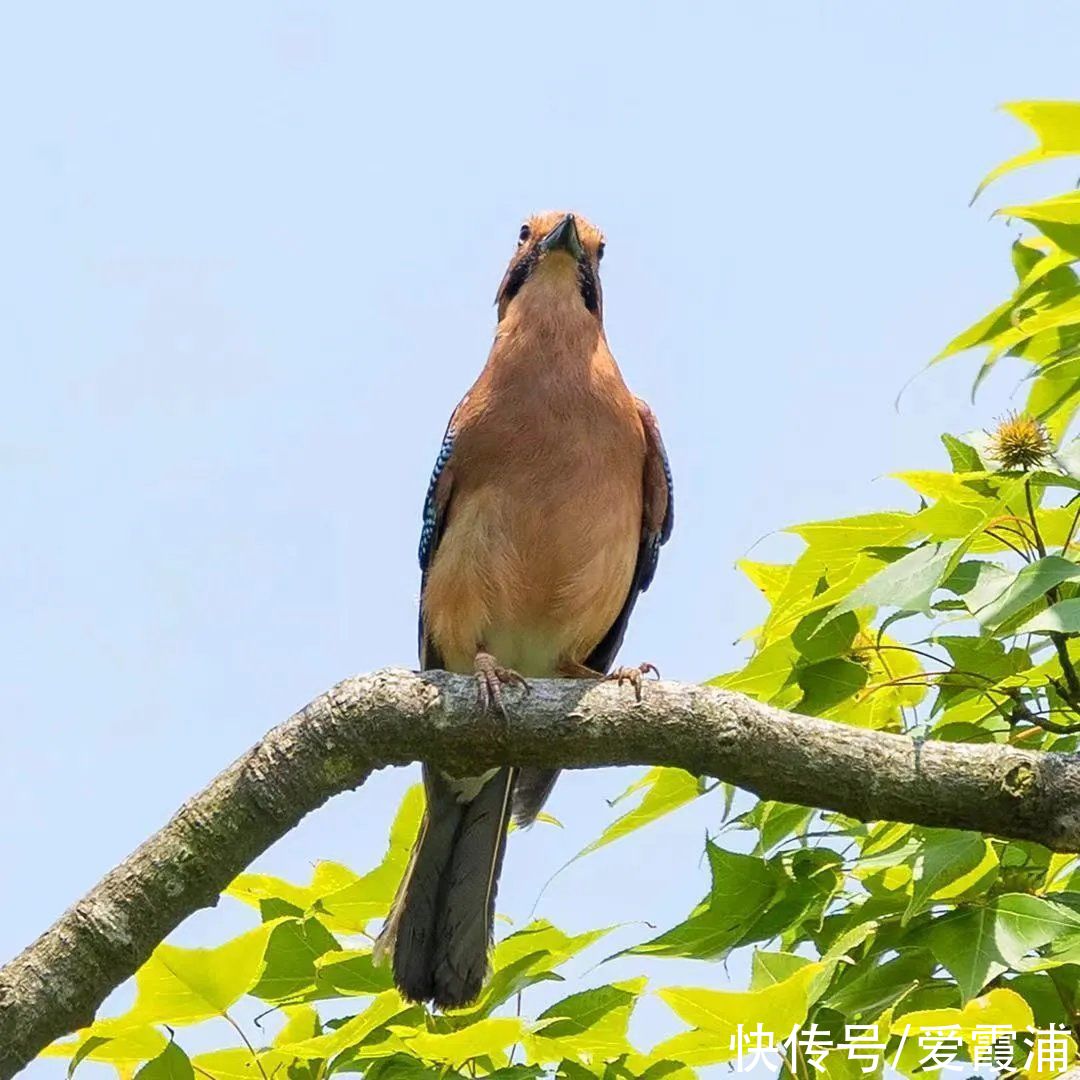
point(250, 254)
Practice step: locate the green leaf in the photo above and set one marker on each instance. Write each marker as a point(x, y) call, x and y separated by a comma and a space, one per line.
point(873, 985)
point(275, 897)
point(964, 458)
point(945, 856)
point(983, 332)
point(302, 1022)
point(964, 504)
point(351, 1033)
point(770, 578)
point(291, 953)
point(767, 674)
point(1000, 1008)
point(238, 1064)
point(716, 1015)
point(109, 1041)
point(1052, 269)
point(183, 986)
point(1045, 325)
point(1055, 394)
point(978, 582)
point(593, 1023)
point(815, 879)
point(350, 972)
point(1025, 258)
point(275, 908)
point(832, 565)
point(89, 1045)
point(171, 1064)
point(1063, 618)
point(1038, 990)
point(828, 683)
point(707, 934)
point(980, 943)
point(258, 889)
point(404, 1066)
point(1033, 581)
point(984, 656)
point(906, 584)
point(541, 937)
point(1043, 478)
point(485, 1039)
point(768, 968)
point(1056, 125)
point(816, 642)
point(849, 535)
point(665, 790)
point(1058, 209)
point(1068, 458)
point(743, 886)
point(775, 821)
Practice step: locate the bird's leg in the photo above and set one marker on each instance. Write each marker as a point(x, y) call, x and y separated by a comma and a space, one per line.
point(490, 679)
point(632, 675)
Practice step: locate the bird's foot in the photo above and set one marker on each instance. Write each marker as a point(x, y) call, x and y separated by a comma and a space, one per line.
point(490, 679)
point(633, 675)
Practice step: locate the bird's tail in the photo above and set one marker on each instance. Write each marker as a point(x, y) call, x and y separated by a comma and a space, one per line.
point(440, 926)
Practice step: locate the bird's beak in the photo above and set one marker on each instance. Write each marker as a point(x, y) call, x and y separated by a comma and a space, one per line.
point(564, 237)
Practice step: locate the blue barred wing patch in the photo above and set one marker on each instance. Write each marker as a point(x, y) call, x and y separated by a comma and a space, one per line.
point(429, 531)
point(669, 517)
point(652, 542)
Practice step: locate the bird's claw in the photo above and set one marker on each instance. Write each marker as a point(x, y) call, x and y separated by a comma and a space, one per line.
point(490, 679)
point(632, 675)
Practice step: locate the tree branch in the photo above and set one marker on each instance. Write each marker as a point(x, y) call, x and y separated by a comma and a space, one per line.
point(395, 717)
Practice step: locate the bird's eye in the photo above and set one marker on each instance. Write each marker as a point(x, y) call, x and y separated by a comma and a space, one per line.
point(524, 235)
point(600, 251)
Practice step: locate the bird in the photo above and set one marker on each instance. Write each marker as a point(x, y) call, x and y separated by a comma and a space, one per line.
point(547, 506)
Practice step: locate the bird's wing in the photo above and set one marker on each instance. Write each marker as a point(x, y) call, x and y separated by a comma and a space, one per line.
point(658, 518)
point(436, 505)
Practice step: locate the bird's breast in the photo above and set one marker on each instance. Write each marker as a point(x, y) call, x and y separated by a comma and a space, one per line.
point(542, 533)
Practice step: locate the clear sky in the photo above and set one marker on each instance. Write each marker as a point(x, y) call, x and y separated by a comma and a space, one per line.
point(250, 251)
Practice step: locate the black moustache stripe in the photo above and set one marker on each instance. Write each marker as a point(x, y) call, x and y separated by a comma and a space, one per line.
point(587, 284)
point(519, 275)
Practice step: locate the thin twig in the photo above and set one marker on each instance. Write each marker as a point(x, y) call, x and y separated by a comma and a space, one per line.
point(247, 1042)
point(927, 656)
point(1040, 547)
point(1022, 532)
point(1009, 544)
point(1072, 530)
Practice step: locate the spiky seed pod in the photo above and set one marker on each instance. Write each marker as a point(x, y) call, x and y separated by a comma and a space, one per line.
point(1020, 442)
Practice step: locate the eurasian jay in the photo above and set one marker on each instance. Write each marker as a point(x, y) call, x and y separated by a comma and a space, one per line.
point(550, 498)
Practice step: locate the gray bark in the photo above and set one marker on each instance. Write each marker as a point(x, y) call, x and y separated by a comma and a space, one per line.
point(394, 717)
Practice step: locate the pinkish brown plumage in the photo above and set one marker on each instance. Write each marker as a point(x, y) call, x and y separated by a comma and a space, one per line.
point(548, 505)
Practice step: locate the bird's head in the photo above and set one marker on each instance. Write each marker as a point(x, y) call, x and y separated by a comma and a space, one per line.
point(556, 266)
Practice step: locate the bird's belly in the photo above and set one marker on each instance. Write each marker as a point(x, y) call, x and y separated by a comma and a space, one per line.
point(535, 651)
point(537, 588)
